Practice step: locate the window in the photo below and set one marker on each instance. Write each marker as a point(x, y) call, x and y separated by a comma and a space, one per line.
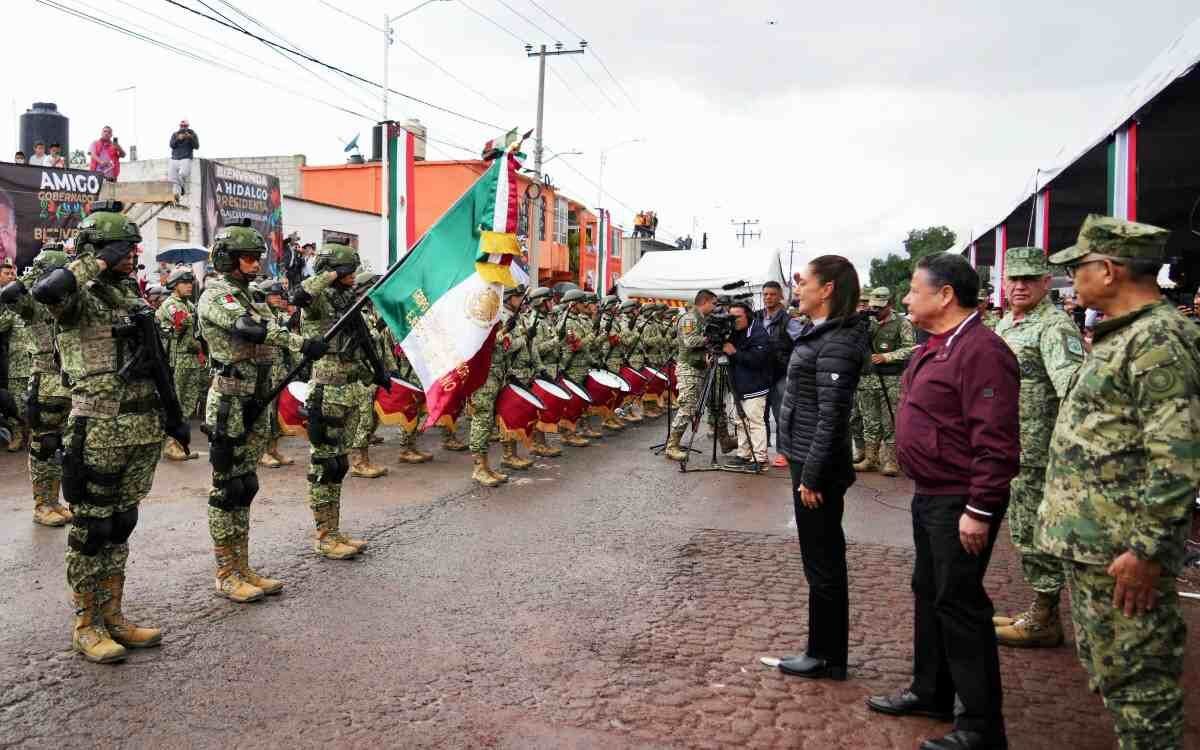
point(542, 219)
point(523, 218)
point(560, 220)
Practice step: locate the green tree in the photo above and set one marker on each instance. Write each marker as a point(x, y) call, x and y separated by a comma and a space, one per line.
point(894, 271)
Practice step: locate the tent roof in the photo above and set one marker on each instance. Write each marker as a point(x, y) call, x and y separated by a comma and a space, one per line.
point(680, 274)
point(1177, 60)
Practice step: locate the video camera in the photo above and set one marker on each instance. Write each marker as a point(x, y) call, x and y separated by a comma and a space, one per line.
point(719, 327)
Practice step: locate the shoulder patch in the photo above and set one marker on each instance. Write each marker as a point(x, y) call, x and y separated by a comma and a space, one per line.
point(1073, 344)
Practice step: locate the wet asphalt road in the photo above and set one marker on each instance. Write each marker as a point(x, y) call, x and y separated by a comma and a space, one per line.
point(600, 600)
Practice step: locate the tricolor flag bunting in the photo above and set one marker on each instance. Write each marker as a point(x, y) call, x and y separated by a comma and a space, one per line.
point(443, 302)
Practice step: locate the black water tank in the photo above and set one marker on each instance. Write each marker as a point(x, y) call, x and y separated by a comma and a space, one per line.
point(377, 143)
point(43, 122)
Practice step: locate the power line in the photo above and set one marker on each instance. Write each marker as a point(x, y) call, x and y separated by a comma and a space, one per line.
point(494, 22)
point(335, 68)
point(593, 80)
point(568, 29)
point(527, 20)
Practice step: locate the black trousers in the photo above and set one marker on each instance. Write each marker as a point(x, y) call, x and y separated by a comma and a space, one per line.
point(954, 646)
point(823, 552)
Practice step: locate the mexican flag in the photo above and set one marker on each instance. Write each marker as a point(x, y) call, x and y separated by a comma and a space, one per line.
point(442, 300)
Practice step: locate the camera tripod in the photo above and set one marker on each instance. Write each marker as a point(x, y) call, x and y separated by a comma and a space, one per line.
point(717, 383)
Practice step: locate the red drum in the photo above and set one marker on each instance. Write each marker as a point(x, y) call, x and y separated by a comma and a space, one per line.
point(580, 401)
point(656, 382)
point(293, 417)
point(556, 400)
point(517, 412)
point(402, 405)
point(607, 390)
point(635, 379)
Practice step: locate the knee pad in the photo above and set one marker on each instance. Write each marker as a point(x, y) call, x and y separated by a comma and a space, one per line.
point(249, 489)
point(331, 470)
point(342, 467)
point(44, 446)
point(94, 534)
point(228, 494)
point(123, 524)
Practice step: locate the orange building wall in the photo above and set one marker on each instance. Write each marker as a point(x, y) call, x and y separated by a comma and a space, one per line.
point(354, 186)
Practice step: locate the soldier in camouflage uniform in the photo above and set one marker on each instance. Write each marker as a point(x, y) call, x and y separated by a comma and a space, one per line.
point(274, 306)
point(366, 420)
point(1049, 350)
point(546, 352)
point(610, 334)
point(633, 352)
point(18, 363)
point(48, 400)
point(176, 318)
point(333, 413)
point(241, 338)
point(892, 342)
point(113, 433)
point(1121, 480)
point(690, 367)
point(520, 364)
point(651, 352)
point(409, 453)
point(579, 337)
point(986, 316)
point(482, 405)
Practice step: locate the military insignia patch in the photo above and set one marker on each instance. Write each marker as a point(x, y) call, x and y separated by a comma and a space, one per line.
point(1073, 344)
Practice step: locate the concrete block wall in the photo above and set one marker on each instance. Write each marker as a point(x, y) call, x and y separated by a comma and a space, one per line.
point(286, 168)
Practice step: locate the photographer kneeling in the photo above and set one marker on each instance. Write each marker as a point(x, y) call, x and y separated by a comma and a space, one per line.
point(749, 352)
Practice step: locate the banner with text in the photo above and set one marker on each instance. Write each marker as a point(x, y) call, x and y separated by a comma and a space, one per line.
point(39, 205)
point(229, 194)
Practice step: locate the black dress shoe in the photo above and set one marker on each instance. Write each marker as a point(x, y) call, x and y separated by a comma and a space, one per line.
point(961, 739)
point(907, 703)
point(814, 669)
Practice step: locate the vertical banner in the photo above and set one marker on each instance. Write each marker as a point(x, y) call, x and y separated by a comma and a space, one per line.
point(228, 194)
point(1122, 173)
point(401, 220)
point(601, 248)
point(41, 204)
point(1041, 220)
point(998, 266)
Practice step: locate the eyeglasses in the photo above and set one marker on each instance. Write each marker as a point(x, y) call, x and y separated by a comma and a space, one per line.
point(1072, 269)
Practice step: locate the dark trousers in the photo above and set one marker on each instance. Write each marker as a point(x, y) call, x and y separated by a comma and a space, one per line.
point(954, 647)
point(774, 399)
point(823, 552)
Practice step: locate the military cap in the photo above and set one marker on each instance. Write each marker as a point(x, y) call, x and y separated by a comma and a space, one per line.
point(879, 297)
point(1118, 238)
point(515, 291)
point(542, 292)
point(575, 295)
point(1025, 261)
point(154, 290)
point(181, 274)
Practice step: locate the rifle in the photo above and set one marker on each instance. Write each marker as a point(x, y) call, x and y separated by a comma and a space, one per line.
point(150, 358)
point(562, 326)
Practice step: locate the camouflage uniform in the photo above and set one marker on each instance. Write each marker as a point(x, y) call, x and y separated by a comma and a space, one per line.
point(1049, 350)
point(19, 369)
point(334, 413)
point(578, 349)
point(690, 367)
point(113, 433)
point(242, 363)
point(895, 340)
point(48, 400)
point(1122, 477)
point(176, 318)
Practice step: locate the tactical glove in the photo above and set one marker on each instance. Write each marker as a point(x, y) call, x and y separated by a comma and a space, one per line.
point(314, 348)
point(11, 292)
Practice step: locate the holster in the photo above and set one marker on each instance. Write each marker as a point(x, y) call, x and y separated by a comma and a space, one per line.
point(77, 474)
point(221, 445)
point(319, 425)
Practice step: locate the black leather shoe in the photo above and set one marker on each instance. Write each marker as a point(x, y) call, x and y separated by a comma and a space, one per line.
point(961, 739)
point(814, 669)
point(907, 703)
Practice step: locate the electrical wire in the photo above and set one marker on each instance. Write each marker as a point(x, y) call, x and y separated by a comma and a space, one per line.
point(175, 49)
point(494, 22)
point(595, 54)
point(528, 20)
point(322, 63)
point(593, 80)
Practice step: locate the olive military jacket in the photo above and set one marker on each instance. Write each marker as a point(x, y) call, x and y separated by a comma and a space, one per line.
point(895, 339)
point(1049, 350)
point(177, 320)
point(1125, 454)
point(690, 334)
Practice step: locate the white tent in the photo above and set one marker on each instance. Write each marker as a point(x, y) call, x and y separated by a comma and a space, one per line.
point(679, 274)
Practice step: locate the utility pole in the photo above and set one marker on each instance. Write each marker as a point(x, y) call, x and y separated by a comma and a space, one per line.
point(792, 259)
point(745, 233)
point(535, 231)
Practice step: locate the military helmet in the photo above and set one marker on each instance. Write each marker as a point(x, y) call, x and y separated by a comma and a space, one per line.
point(516, 291)
point(610, 299)
point(106, 223)
point(333, 255)
point(540, 293)
point(630, 305)
point(364, 280)
point(271, 286)
point(233, 240)
point(183, 274)
point(51, 257)
point(154, 290)
point(575, 295)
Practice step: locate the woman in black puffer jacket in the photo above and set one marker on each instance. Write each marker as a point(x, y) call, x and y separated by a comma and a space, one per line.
point(814, 435)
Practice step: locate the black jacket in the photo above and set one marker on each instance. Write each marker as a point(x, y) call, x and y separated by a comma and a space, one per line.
point(814, 417)
point(182, 148)
point(781, 344)
point(751, 363)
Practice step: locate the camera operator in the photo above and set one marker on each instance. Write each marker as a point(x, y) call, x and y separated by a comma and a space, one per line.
point(749, 352)
point(691, 361)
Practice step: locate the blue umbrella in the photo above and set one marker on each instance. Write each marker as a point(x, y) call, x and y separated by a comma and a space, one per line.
point(182, 254)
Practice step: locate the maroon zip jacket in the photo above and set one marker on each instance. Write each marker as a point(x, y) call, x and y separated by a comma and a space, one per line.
point(957, 428)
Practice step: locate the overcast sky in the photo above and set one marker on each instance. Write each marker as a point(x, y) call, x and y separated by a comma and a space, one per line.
point(839, 124)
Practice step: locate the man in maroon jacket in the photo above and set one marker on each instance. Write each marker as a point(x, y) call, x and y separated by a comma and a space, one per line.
point(958, 437)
